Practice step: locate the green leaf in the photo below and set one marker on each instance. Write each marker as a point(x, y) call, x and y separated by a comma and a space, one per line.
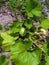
point(16, 26)
point(3, 60)
point(37, 11)
point(22, 44)
point(28, 24)
point(21, 56)
point(7, 39)
point(45, 47)
point(7, 42)
point(33, 8)
point(16, 23)
point(15, 29)
point(44, 23)
point(30, 4)
point(47, 59)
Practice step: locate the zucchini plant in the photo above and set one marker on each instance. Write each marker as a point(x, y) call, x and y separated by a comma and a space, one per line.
point(26, 43)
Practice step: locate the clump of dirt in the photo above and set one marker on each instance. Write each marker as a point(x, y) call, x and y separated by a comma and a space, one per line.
point(6, 16)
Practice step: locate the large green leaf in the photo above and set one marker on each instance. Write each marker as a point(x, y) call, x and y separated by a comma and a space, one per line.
point(21, 56)
point(44, 23)
point(33, 8)
point(3, 60)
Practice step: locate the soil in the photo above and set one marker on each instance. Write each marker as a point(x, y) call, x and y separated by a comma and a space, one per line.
point(6, 16)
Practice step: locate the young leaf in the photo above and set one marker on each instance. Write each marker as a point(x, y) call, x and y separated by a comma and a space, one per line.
point(22, 31)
